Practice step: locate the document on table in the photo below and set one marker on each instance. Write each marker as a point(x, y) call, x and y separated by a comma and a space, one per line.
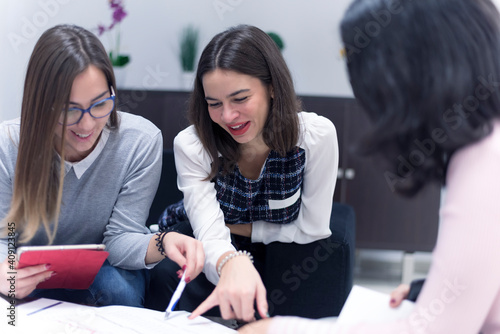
point(369, 306)
point(52, 316)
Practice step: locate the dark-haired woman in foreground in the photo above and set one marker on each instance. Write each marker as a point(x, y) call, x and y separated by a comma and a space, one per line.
point(432, 75)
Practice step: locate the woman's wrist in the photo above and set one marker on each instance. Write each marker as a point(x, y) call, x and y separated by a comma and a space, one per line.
point(230, 256)
point(160, 236)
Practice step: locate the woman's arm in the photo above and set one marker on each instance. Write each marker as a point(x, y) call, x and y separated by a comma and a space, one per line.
point(200, 199)
point(9, 141)
point(186, 251)
point(239, 285)
point(464, 270)
point(126, 236)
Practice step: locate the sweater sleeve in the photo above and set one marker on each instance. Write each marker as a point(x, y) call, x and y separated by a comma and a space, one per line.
point(465, 269)
point(461, 292)
point(320, 175)
point(192, 162)
point(8, 155)
point(126, 236)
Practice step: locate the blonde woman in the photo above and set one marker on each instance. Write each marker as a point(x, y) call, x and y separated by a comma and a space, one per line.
point(74, 170)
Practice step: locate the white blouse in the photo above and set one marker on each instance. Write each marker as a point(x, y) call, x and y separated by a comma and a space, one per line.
point(317, 137)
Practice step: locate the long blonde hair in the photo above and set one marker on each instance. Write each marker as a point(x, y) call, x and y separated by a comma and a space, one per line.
point(60, 54)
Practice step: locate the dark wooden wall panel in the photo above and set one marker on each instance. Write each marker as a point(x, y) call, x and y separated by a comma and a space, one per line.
point(165, 109)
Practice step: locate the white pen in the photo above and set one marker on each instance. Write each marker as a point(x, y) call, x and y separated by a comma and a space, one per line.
point(176, 296)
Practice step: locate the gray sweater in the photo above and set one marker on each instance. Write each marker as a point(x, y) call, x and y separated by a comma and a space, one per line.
point(106, 196)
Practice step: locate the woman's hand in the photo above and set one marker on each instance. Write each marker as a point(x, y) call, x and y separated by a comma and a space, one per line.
point(25, 280)
point(186, 251)
point(257, 327)
point(239, 288)
point(398, 295)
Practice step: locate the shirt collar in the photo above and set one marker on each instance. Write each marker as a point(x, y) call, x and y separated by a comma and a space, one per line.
point(80, 167)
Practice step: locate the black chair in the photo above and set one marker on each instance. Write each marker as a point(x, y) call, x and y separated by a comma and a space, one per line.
point(167, 192)
point(314, 279)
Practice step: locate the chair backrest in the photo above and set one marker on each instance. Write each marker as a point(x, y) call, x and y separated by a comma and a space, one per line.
point(167, 192)
point(313, 280)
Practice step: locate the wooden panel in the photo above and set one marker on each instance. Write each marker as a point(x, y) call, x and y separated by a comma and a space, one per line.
point(333, 109)
point(386, 220)
point(165, 109)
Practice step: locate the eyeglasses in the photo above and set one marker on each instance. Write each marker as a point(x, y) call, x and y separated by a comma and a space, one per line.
point(99, 109)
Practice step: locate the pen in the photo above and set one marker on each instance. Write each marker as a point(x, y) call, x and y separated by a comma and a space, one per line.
point(176, 296)
point(44, 308)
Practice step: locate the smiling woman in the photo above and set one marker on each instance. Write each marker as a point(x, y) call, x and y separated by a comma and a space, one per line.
point(84, 126)
point(253, 168)
point(74, 170)
point(242, 112)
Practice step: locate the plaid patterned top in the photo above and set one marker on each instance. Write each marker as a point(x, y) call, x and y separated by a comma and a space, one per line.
point(274, 197)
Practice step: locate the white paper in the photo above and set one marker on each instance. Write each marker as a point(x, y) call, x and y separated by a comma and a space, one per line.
point(4, 303)
point(54, 317)
point(369, 306)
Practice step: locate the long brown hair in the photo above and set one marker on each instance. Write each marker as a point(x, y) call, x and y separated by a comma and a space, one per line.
point(60, 54)
point(248, 50)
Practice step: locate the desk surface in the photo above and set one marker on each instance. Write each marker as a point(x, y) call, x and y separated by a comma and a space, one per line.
point(51, 316)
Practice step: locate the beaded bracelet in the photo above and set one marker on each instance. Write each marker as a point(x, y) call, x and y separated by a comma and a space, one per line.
point(231, 256)
point(159, 242)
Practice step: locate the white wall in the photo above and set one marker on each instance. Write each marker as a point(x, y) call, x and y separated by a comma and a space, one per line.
point(150, 35)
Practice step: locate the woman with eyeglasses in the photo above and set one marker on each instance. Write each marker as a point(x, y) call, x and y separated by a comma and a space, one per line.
point(74, 170)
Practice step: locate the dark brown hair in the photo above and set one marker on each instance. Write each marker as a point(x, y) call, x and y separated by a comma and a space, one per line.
point(427, 80)
point(60, 54)
point(246, 50)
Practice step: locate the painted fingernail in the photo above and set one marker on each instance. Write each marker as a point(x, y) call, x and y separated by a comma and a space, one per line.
point(187, 279)
point(47, 266)
point(184, 267)
point(53, 274)
point(393, 301)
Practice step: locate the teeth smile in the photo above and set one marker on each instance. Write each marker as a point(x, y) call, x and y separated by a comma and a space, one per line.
point(81, 135)
point(238, 127)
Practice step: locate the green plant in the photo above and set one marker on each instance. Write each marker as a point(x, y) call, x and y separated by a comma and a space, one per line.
point(120, 60)
point(188, 48)
point(277, 39)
